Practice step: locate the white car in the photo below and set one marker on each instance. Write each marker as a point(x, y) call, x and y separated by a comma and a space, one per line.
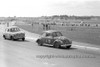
point(13, 33)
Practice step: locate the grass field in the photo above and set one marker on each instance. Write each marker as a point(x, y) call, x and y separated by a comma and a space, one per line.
point(81, 34)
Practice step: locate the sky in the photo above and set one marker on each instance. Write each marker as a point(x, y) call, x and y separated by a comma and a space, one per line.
point(37, 8)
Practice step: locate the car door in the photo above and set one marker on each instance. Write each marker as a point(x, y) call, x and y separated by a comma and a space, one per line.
point(8, 33)
point(43, 37)
point(49, 38)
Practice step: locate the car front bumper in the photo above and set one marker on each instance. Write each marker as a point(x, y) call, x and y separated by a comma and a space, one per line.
point(65, 45)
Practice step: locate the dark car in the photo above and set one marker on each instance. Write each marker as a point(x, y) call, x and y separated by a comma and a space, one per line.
point(54, 38)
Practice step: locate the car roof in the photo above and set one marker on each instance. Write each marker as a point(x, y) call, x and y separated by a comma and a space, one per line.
point(12, 27)
point(50, 31)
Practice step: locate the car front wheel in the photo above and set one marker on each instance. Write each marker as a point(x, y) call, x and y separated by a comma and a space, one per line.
point(39, 43)
point(57, 45)
point(68, 47)
point(23, 39)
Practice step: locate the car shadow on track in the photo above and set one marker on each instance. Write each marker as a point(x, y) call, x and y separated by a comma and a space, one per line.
point(68, 49)
point(62, 48)
point(19, 40)
point(22, 41)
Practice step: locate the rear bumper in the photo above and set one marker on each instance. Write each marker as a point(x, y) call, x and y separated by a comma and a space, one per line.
point(17, 37)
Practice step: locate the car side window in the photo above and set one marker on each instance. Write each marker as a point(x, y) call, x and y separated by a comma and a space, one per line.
point(48, 34)
point(8, 30)
point(5, 30)
point(43, 34)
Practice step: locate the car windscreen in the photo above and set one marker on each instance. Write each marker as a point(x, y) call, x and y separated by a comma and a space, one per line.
point(56, 34)
point(14, 29)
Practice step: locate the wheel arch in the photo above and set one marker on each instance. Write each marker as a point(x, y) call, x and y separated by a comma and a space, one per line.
point(38, 40)
point(11, 36)
point(57, 41)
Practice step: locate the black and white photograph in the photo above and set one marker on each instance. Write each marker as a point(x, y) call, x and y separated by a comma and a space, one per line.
point(49, 33)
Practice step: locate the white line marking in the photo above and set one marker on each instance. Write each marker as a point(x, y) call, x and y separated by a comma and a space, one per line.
point(87, 47)
point(31, 38)
point(46, 63)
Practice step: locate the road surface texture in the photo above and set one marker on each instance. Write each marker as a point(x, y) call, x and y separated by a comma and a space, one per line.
point(28, 54)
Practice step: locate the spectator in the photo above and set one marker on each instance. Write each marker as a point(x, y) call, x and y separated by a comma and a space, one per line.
point(32, 24)
point(7, 24)
point(96, 25)
point(49, 26)
point(43, 26)
point(46, 26)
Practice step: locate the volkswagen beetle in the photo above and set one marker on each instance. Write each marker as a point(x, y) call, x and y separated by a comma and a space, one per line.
point(54, 38)
point(13, 33)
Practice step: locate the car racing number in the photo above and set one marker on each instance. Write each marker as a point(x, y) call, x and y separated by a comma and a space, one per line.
point(48, 41)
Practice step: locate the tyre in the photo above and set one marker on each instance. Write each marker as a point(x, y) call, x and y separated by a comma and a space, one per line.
point(39, 42)
point(57, 45)
point(4, 37)
point(68, 47)
point(23, 39)
point(12, 38)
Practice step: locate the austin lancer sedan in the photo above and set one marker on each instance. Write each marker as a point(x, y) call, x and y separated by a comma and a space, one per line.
point(54, 38)
point(13, 33)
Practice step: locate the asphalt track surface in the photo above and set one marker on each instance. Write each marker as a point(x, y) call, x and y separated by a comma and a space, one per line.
point(28, 54)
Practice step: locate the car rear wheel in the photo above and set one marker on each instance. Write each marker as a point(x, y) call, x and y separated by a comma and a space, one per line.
point(57, 45)
point(68, 47)
point(40, 44)
point(4, 37)
point(23, 39)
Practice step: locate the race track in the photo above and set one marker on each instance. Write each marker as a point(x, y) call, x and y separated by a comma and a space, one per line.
point(28, 54)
